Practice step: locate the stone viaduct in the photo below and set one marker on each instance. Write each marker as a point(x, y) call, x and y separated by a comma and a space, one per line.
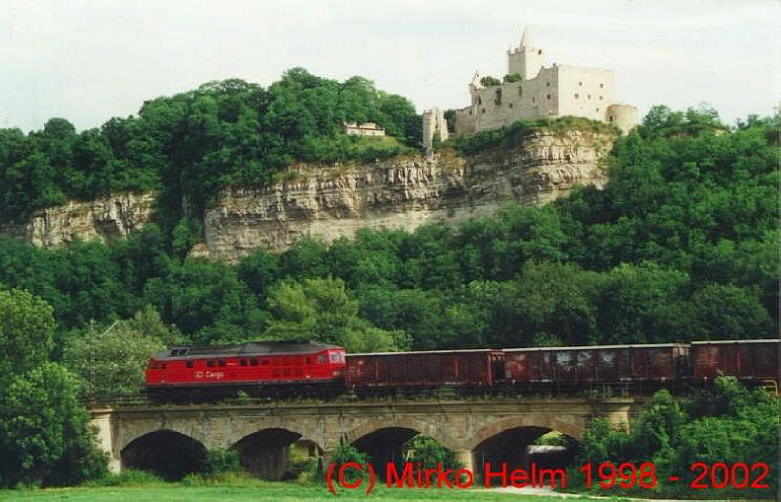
point(476, 430)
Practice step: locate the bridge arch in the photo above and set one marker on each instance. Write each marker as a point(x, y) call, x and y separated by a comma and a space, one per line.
point(410, 423)
point(573, 430)
point(509, 442)
point(138, 432)
point(166, 453)
point(266, 453)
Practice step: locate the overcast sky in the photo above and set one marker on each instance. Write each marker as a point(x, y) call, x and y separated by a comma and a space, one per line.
point(90, 60)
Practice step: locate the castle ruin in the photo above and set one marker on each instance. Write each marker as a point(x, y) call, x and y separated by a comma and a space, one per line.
point(533, 91)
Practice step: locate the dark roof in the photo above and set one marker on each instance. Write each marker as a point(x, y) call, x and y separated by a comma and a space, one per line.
point(261, 348)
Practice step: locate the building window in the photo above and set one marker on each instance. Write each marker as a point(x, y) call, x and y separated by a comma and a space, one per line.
point(483, 110)
point(580, 84)
point(520, 90)
point(547, 84)
point(470, 112)
point(548, 96)
point(600, 98)
point(611, 118)
point(539, 51)
point(597, 109)
point(498, 97)
point(601, 86)
point(577, 95)
point(589, 96)
point(532, 100)
point(510, 105)
point(479, 100)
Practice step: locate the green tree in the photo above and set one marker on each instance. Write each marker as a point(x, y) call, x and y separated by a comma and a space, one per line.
point(322, 309)
point(26, 325)
point(112, 361)
point(45, 436)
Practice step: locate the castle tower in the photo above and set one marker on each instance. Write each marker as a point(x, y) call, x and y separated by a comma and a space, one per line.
point(434, 126)
point(525, 60)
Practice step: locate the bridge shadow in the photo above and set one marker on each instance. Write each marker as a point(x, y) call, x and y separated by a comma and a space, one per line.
point(275, 454)
point(168, 454)
point(515, 448)
point(384, 446)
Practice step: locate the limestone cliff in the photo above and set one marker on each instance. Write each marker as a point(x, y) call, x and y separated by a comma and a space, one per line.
point(330, 202)
point(106, 218)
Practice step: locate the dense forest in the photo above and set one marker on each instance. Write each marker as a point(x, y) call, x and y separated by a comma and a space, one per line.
point(681, 244)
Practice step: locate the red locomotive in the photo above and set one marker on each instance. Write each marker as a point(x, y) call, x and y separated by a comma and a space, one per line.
point(247, 366)
point(257, 367)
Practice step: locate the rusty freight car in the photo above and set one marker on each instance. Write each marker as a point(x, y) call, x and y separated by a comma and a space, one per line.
point(455, 368)
point(598, 364)
point(748, 360)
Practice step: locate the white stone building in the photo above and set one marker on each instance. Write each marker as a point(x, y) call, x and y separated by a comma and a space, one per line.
point(365, 129)
point(542, 92)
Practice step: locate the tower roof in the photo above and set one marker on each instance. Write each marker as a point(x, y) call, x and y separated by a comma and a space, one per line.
point(526, 38)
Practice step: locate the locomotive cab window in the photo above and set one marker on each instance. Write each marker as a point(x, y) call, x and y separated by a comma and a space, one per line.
point(242, 362)
point(189, 364)
point(210, 363)
point(221, 362)
point(253, 361)
point(321, 359)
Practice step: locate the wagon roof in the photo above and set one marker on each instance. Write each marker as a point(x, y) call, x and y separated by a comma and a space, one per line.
point(277, 348)
point(453, 351)
point(600, 347)
point(730, 342)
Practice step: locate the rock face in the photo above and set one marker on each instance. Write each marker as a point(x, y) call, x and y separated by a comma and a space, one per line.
point(328, 202)
point(106, 218)
point(331, 202)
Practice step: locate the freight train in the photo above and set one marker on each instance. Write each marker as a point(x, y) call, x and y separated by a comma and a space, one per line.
point(303, 367)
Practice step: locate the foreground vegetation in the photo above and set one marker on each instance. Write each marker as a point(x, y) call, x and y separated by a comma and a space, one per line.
point(254, 490)
point(728, 424)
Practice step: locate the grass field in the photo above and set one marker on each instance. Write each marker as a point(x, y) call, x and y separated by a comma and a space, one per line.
point(257, 492)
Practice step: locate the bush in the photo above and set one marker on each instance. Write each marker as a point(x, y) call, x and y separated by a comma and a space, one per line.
point(346, 453)
point(728, 423)
point(128, 477)
point(222, 461)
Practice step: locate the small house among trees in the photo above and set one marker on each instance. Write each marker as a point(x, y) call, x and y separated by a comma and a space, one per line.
point(365, 129)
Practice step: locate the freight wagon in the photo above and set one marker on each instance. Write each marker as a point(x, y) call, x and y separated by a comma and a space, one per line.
point(436, 368)
point(598, 364)
point(748, 360)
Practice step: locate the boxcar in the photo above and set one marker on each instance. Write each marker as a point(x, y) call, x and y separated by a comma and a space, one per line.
point(437, 368)
point(245, 365)
point(745, 359)
point(600, 364)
